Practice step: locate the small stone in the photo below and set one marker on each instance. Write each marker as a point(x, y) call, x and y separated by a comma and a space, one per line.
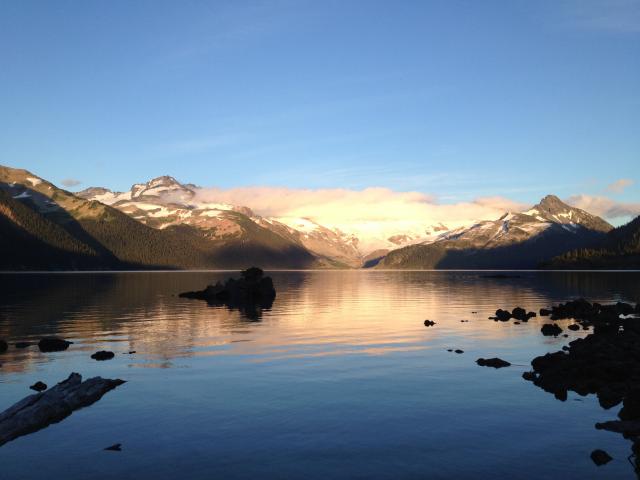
point(492, 362)
point(39, 386)
point(600, 457)
point(103, 355)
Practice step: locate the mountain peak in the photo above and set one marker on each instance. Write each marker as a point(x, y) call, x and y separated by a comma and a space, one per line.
point(552, 204)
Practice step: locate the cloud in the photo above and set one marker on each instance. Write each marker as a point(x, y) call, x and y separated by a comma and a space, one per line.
point(619, 185)
point(373, 213)
point(605, 207)
point(70, 182)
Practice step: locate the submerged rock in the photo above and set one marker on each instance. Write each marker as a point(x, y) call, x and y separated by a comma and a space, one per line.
point(492, 362)
point(250, 293)
point(38, 386)
point(103, 355)
point(39, 410)
point(53, 344)
point(600, 457)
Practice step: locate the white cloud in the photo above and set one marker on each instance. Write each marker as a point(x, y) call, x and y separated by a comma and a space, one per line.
point(372, 213)
point(619, 185)
point(70, 182)
point(605, 207)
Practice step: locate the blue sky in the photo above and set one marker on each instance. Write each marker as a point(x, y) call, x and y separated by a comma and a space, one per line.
point(456, 99)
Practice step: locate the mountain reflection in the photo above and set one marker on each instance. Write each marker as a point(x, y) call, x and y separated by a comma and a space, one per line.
point(315, 314)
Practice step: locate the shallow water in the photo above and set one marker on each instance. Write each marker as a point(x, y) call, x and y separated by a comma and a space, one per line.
point(339, 379)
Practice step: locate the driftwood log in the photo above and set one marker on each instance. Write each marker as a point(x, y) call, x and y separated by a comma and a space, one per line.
point(40, 410)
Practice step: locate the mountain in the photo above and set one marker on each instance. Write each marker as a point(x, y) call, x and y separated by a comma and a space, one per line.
point(96, 235)
point(620, 249)
point(164, 202)
point(515, 240)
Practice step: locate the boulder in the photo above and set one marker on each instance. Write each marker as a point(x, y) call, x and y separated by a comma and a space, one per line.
point(53, 344)
point(429, 323)
point(103, 355)
point(551, 329)
point(492, 362)
point(600, 457)
point(503, 315)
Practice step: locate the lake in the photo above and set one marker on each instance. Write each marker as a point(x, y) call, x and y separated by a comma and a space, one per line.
point(339, 379)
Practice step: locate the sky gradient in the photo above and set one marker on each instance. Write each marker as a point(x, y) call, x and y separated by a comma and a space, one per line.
point(453, 99)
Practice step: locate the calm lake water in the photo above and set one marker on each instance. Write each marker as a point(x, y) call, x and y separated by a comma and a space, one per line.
point(340, 379)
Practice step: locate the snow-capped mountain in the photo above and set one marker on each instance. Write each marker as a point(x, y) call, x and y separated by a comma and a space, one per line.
point(163, 202)
point(549, 228)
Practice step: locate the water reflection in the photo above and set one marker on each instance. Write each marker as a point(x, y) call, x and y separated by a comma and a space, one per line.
point(338, 379)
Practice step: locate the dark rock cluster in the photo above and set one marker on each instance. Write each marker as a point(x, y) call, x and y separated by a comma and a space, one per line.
point(605, 363)
point(517, 313)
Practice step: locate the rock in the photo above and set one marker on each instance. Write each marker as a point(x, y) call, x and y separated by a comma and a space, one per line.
point(38, 386)
point(39, 410)
point(549, 329)
point(464, 321)
point(519, 313)
point(503, 315)
point(600, 457)
point(545, 312)
point(116, 447)
point(492, 362)
point(477, 312)
point(53, 344)
point(103, 355)
point(459, 351)
point(22, 344)
point(249, 294)
point(516, 323)
point(131, 352)
point(429, 323)
point(529, 376)
point(449, 349)
point(3, 346)
point(574, 327)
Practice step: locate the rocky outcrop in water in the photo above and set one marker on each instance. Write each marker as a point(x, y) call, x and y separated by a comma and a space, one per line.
point(39, 410)
point(605, 363)
point(249, 294)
